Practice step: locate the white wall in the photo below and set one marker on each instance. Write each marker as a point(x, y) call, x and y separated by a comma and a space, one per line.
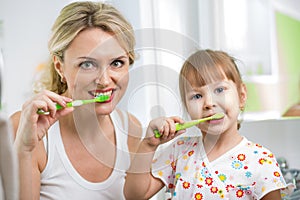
point(281, 136)
point(25, 32)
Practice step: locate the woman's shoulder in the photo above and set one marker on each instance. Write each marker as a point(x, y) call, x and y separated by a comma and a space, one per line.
point(134, 125)
point(14, 120)
point(135, 132)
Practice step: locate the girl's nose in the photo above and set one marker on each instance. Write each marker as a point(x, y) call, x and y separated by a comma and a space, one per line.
point(103, 78)
point(209, 102)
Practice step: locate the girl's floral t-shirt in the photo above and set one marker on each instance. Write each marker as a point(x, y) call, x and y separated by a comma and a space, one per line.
point(248, 171)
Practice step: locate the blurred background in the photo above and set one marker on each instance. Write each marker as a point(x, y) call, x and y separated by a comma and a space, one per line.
point(262, 34)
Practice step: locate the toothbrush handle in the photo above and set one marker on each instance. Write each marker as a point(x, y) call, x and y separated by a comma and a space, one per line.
point(178, 128)
point(59, 107)
point(183, 126)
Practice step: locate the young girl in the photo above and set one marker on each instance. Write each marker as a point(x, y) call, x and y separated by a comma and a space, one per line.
point(220, 164)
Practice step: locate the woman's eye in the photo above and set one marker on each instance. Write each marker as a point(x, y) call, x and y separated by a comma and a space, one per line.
point(117, 63)
point(219, 90)
point(197, 96)
point(87, 65)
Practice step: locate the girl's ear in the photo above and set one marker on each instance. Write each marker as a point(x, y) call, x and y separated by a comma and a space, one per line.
point(58, 67)
point(243, 95)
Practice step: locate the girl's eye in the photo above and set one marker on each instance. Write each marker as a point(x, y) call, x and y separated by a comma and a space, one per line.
point(117, 63)
point(197, 96)
point(219, 90)
point(87, 65)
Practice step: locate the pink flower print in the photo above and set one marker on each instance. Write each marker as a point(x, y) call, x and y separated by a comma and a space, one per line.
point(198, 196)
point(213, 190)
point(208, 181)
point(277, 174)
point(239, 193)
point(228, 187)
point(241, 157)
point(171, 185)
point(173, 165)
point(271, 155)
point(261, 161)
point(190, 153)
point(186, 185)
point(258, 145)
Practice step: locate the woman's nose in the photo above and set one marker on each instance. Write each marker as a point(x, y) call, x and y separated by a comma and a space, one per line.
point(103, 78)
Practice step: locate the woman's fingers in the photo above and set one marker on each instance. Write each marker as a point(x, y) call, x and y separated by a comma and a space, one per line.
point(50, 100)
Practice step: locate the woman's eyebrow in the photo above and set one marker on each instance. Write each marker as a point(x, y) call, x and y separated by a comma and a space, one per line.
point(87, 58)
point(120, 57)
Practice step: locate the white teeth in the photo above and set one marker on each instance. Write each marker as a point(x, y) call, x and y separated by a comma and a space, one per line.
point(108, 93)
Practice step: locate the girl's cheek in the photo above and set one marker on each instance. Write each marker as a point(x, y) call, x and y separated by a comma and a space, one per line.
point(194, 110)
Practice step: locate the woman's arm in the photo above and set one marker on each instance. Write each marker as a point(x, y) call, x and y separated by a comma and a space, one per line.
point(29, 174)
point(8, 161)
point(29, 130)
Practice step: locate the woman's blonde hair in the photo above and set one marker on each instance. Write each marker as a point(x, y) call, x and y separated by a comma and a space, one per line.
point(74, 18)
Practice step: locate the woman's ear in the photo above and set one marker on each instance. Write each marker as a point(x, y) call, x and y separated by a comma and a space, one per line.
point(59, 68)
point(243, 96)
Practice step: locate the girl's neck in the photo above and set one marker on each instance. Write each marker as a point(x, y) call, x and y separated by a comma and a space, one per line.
point(216, 145)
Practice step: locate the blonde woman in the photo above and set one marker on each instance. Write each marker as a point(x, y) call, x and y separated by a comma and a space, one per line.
point(82, 152)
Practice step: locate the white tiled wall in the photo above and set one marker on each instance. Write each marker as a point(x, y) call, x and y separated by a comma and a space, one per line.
point(281, 136)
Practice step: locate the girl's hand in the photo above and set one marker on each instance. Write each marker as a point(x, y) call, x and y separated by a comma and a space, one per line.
point(32, 126)
point(166, 127)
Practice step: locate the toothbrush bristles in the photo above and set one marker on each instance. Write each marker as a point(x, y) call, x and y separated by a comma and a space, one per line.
point(218, 115)
point(102, 98)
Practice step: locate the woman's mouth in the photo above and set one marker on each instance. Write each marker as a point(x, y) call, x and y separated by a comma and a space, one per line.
point(97, 93)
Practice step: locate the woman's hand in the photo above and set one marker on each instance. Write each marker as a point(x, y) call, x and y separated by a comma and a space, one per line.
point(166, 127)
point(32, 126)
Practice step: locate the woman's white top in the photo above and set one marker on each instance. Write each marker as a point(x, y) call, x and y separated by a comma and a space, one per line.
point(60, 180)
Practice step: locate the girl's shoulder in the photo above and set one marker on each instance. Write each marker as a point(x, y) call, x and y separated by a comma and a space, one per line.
point(255, 149)
point(181, 145)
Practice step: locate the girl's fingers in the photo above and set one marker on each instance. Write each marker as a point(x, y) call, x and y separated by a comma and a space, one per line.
point(169, 129)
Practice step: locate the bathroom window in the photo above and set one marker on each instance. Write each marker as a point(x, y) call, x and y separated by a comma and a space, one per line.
point(244, 28)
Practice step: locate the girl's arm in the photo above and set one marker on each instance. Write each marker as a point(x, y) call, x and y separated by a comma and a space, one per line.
point(140, 183)
point(273, 195)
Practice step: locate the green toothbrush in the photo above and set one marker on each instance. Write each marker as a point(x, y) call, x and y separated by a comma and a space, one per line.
point(192, 123)
point(99, 99)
